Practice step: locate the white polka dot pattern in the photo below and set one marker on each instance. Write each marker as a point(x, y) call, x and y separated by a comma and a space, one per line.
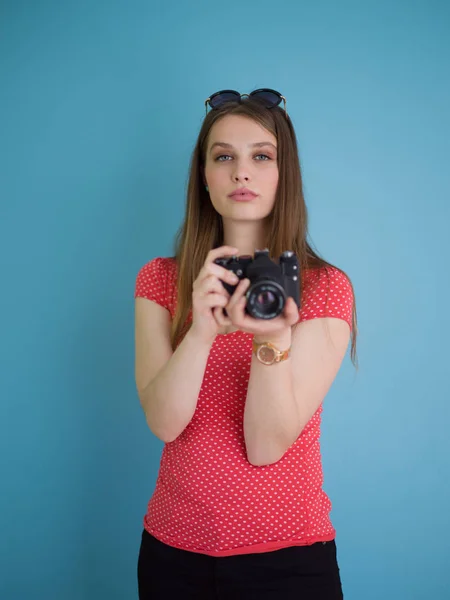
point(208, 498)
point(326, 293)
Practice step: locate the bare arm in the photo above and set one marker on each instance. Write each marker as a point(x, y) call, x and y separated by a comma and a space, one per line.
point(283, 397)
point(168, 383)
point(271, 415)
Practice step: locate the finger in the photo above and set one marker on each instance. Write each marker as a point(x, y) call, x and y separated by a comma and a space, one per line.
point(213, 300)
point(223, 251)
point(208, 285)
point(239, 292)
point(220, 317)
point(237, 311)
point(291, 311)
point(219, 272)
point(262, 326)
point(238, 300)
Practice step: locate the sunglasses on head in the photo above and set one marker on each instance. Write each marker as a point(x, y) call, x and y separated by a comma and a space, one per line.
point(270, 98)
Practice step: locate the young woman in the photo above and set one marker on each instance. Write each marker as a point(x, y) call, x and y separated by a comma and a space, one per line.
point(239, 510)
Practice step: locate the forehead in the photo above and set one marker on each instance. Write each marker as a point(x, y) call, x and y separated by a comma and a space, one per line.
point(239, 131)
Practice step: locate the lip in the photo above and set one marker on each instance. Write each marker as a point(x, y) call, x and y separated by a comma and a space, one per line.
point(242, 194)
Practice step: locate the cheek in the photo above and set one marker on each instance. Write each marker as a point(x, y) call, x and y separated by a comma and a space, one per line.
point(214, 177)
point(275, 179)
point(272, 180)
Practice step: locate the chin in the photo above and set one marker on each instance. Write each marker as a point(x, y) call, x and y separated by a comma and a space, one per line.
point(251, 210)
point(242, 216)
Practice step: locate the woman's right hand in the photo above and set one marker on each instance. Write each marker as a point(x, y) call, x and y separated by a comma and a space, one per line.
point(209, 297)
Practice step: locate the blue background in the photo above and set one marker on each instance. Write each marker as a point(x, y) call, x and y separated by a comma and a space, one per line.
point(101, 103)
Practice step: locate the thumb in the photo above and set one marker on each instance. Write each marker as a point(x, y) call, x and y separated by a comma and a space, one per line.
point(292, 310)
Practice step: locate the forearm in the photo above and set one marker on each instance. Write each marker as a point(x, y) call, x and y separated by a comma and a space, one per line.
point(170, 399)
point(271, 419)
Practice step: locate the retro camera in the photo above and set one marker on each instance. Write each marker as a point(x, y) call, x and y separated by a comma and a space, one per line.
point(270, 283)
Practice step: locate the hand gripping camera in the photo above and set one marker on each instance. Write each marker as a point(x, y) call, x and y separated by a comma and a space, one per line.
point(270, 283)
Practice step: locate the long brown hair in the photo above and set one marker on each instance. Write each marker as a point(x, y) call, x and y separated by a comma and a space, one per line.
point(201, 230)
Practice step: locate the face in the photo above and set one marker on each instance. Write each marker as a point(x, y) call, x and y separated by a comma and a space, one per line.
point(241, 153)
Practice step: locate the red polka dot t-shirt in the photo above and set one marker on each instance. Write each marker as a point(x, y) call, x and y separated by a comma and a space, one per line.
point(208, 498)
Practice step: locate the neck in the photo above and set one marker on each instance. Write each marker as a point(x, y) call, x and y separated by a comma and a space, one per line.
point(246, 236)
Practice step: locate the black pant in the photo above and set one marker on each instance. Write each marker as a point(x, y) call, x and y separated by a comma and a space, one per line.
point(297, 572)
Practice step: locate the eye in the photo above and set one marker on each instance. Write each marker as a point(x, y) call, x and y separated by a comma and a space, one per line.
point(219, 158)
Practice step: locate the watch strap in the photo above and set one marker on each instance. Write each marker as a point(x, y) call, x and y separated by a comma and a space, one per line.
point(279, 355)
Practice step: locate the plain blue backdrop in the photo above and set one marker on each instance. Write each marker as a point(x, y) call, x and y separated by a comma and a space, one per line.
point(101, 103)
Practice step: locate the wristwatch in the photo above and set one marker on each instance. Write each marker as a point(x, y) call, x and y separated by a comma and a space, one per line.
point(268, 354)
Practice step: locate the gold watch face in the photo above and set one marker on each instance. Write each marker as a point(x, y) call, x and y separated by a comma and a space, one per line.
point(266, 355)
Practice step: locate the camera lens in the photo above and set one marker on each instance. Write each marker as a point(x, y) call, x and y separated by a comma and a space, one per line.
point(265, 300)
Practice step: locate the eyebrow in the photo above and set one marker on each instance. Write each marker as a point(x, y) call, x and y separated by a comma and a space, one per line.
point(256, 145)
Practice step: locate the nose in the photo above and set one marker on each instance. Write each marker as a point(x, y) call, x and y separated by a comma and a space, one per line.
point(241, 174)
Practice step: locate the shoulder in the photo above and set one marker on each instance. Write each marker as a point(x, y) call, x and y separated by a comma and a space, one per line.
point(327, 292)
point(160, 266)
point(155, 279)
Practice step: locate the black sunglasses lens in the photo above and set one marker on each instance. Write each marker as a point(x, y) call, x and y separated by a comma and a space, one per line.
point(268, 97)
point(223, 97)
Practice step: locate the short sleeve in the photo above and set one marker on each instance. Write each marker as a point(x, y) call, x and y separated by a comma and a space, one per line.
point(151, 282)
point(327, 292)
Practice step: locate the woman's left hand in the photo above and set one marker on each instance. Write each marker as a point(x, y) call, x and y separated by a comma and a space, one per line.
point(267, 329)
